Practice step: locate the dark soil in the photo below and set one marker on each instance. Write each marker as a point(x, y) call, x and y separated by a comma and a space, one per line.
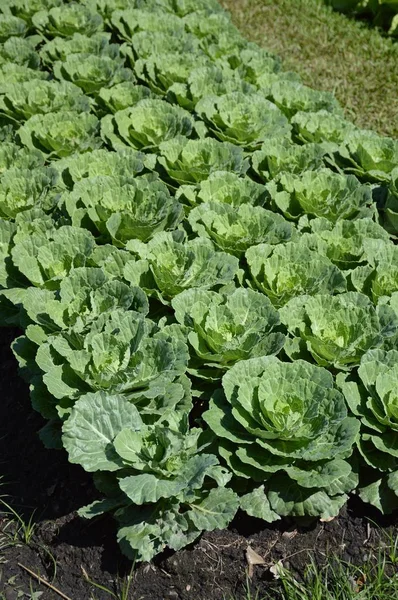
point(64, 546)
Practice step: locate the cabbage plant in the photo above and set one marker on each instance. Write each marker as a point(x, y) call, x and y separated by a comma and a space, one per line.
point(125, 162)
point(84, 294)
point(225, 187)
point(177, 265)
point(122, 95)
point(278, 156)
point(25, 9)
point(322, 193)
point(61, 133)
point(123, 208)
point(346, 243)
point(336, 330)
point(226, 328)
point(25, 99)
point(252, 62)
point(45, 258)
point(146, 125)
point(292, 96)
point(287, 270)
point(21, 51)
point(143, 44)
point(379, 276)
point(59, 49)
point(242, 119)
point(161, 71)
point(208, 80)
point(91, 73)
point(321, 126)
point(206, 22)
point(285, 425)
point(130, 21)
point(162, 474)
point(11, 26)
point(13, 156)
point(372, 397)
point(369, 156)
point(14, 73)
point(235, 229)
point(119, 352)
point(66, 20)
point(22, 188)
point(192, 161)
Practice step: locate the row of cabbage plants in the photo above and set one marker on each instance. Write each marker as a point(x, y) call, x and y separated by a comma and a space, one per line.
point(200, 252)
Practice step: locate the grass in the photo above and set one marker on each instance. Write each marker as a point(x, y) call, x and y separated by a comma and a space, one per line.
point(331, 52)
point(376, 579)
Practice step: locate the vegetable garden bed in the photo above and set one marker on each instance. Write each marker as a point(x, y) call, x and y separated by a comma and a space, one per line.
point(200, 253)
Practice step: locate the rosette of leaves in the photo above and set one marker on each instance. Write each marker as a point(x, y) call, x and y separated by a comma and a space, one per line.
point(13, 156)
point(122, 95)
point(344, 242)
point(293, 96)
point(146, 125)
point(65, 20)
point(192, 161)
point(161, 71)
point(245, 120)
point(252, 62)
point(45, 258)
point(390, 209)
point(165, 487)
point(91, 73)
point(277, 156)
point(379, 276)
point(25, 99)
point(125, 162)
point(22, 188)
point(226, 328)
point(204, 23)
point(59, 49)
point(144, 43)
point(372, 396)
point(235, 229)
point(336, 330)
point(25, 9)
point(119, 352)
point(84, 294)
point(14, 73)
point(177, 265)
point(61, 133)
point(285, 426)
point(130, 21)
point(211, 79)
point(224, 187)
point(369, 156)
point(224, 46)
point(321, 126)
point(287, 270)
point(322, 193)
point(123, 208)
point(11, 26)
point(20, 51)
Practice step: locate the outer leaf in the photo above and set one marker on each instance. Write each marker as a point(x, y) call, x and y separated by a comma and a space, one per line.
point(92, 426)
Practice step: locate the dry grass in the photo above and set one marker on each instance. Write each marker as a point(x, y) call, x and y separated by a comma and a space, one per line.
point(331, 52)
